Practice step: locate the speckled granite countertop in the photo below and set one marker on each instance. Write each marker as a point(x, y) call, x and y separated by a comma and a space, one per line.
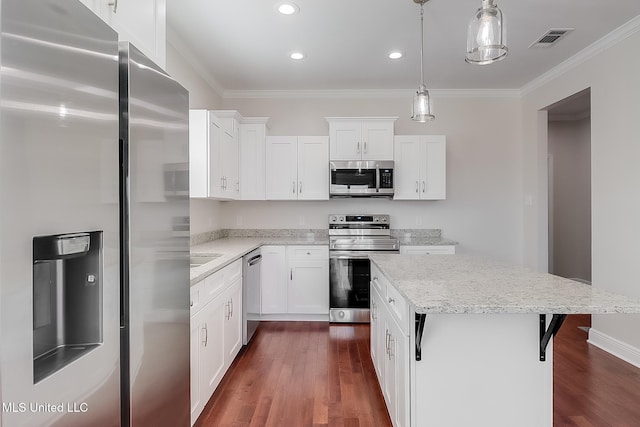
point(471, 285)
point(232, 248)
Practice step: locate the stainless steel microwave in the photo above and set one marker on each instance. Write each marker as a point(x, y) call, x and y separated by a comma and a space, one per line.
point(361, 179)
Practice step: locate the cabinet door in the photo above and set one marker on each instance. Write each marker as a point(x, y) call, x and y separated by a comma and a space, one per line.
point(399, 376)
point(252, 150)
point(407, 162)
point(377, 140)
point(233, 322)
point(309, 287)
point(197, 339)
point(212, 352)
point(377, 329)
point(141, 22)
point(228, 162)
point(281, 168)
point(433, 173)
point(313, 168)
point(273, 280)
point(346, 140)
point(216, 181)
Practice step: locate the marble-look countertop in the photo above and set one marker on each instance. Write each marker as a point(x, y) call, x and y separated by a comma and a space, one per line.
point(465, 284)
point(232, 248)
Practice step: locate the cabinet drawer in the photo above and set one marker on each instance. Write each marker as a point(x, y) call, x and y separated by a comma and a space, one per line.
point(213, 285)
point(428, 250)
point(378, 281)
point(194, 298)
point(309, 252)
point(233, 271)
point(398, 307)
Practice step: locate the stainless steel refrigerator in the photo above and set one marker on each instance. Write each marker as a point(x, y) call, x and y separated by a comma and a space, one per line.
point(94, 232)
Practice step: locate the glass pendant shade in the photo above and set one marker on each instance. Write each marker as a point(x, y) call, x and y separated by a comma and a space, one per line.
point(422, 106)
point(486, 39)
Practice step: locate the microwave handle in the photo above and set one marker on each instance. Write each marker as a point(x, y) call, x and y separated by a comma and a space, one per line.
point(377, 178)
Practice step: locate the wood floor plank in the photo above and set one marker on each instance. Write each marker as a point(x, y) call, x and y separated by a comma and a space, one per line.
point(319, 375)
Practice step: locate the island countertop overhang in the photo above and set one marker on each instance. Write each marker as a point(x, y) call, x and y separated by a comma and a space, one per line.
point(464, 284)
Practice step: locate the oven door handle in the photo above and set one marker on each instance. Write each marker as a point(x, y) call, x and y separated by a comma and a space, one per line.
point(356, 255)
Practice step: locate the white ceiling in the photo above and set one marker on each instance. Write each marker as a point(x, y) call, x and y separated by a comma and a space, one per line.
point(244, 44)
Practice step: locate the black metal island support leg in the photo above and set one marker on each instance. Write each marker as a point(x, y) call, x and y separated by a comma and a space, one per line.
point(420, 320)
point(547, 333)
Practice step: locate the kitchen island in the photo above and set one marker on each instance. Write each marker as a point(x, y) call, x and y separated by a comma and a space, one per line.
point(461, 340)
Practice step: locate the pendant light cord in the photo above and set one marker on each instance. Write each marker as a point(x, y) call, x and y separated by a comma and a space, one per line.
point(422, 44)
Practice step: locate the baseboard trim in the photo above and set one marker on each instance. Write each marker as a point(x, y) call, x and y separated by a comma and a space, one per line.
point(615, 347)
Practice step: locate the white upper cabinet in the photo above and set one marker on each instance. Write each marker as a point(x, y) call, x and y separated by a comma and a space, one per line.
point(420, 167)
point(141, 22)
point(213, 154)
point(361, 138)
point(252, 158)
point(297, 168)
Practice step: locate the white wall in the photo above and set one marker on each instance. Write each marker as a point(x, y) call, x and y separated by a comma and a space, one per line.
point(483, 206)
point(570, 202)
point(612, 76)
point(205, 214)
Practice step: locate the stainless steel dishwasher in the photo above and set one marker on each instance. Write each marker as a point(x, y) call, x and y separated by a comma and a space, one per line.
point(251, 294)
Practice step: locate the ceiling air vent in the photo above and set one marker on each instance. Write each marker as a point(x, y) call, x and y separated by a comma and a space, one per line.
point(551, 37)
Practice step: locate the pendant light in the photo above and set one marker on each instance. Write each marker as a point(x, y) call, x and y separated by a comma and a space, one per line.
point(422, 100)
point(486, 38)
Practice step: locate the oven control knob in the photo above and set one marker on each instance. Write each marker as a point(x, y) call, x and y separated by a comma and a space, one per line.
point(334, 218)
point(384, 219)
point(376, 219)
point(341, 218)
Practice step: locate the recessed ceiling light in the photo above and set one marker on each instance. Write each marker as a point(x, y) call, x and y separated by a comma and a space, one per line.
point(396, 54)
point(296, 55)
point(288, 8)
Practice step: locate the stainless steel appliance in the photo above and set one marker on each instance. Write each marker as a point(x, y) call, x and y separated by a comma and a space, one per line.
point(351, 239)
point(94, 277)
point(361, 179)
point(251, 294)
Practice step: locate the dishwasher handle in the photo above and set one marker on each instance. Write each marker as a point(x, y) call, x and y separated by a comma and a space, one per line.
point(254, 260)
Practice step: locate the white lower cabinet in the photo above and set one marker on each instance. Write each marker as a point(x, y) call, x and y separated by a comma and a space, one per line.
point(216, 332)
point(390, 347)
point(295, 280)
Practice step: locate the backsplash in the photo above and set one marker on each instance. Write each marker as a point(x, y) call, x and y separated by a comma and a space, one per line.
point(403, 234)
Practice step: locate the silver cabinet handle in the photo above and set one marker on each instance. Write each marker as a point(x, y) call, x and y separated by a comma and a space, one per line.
point(206, 335)
point(191, 303)
point(231, 311)
point(237, 186)
point(373, 310)
point(291, 274)
point(390, 352)
point(387, 337)
point(114, 4)
point(293, 187)
point(391, 300)
point(300, 187)
point(358, 147)
point(365, 147)
point(424, 186)
point(417, 187)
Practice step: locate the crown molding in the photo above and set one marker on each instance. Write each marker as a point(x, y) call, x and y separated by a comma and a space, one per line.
point(174, 39)
point(368, 93)
point(614, 37)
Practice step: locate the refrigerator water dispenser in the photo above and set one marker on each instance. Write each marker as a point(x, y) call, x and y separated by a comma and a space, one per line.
point(67, 299)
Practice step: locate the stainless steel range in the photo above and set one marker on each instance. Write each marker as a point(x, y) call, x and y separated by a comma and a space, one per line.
point(351, 239)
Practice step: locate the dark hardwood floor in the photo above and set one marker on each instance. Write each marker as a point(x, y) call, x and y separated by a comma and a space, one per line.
point(591, 387)
point(314, 374)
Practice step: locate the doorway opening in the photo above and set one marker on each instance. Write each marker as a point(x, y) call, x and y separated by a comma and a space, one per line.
point(569, 182)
